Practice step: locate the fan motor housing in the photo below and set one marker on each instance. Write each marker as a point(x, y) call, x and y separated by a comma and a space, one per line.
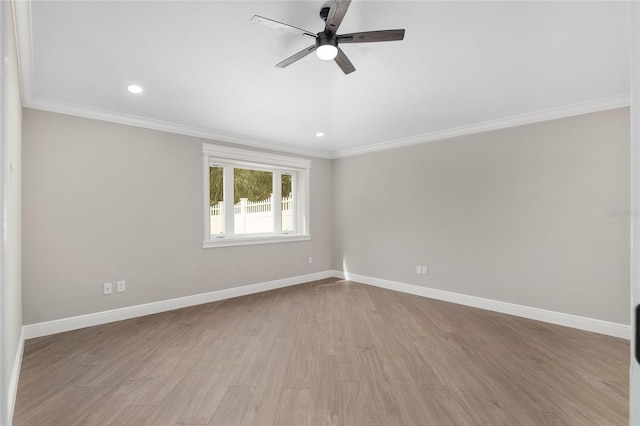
point(324, 39)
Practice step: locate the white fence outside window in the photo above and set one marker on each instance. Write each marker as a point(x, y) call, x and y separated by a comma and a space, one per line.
point(251, 217)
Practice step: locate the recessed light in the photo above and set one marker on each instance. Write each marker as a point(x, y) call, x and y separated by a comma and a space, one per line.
point(319, 134)
point(134, 88)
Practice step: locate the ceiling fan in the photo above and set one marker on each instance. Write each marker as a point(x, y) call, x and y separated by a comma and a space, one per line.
point(327, 41)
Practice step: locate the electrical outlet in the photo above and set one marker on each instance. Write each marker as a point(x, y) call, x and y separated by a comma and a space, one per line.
point(122, 286)
point(418, 269)
point(107, 288)
point(310, 259)
point(424, 270)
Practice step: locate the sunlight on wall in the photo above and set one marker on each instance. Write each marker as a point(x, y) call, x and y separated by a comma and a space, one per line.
point(345, 270)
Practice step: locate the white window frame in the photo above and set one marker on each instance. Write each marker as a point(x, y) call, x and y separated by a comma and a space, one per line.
point(230, 158)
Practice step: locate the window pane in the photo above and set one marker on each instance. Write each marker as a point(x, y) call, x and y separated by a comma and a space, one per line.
point(252, 192)
point(216, 201)
point(288, 214)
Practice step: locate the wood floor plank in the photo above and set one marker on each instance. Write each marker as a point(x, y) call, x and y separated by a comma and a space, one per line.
point(421, 407)
point(233, 406)
point(206, 398)
point(298, 373)
point(390, 421)
point(172, 406)
point(330, 352)
point(292, 408)
point(350, 408)
point(133, 415)
point(115, 403)
point(32, 395)
point(66, 407)
point(255, 360)
point(264, 404)
point(323, 400)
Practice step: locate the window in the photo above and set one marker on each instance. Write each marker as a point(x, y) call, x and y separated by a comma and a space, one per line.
point(254, 198)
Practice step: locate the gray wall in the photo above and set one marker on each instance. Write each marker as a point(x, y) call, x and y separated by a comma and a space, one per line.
point(517, 215)
point(10, 259)
point(106, 202)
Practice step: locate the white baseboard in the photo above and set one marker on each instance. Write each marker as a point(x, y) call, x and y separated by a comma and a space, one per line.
point(559, 318)
point(15, 375)
point(73, 323)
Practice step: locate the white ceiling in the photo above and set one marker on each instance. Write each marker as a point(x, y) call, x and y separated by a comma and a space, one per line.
point(208, 71)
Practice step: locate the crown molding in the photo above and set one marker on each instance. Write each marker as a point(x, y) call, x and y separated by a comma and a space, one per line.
point(516, 120)
point(604, 104)
point(165, 126)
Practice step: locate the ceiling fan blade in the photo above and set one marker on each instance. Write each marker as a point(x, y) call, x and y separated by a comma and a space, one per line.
point(371, 36)
point(344, 63)
point(337, 10)
point(281, 27)
point(301, 54)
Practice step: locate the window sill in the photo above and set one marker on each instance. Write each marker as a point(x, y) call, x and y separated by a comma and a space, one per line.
point(255, 239)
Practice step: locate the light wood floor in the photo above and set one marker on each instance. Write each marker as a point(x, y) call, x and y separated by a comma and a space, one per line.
point(325, 353)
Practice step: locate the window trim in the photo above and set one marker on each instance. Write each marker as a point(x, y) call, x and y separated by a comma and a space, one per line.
point(236, 157)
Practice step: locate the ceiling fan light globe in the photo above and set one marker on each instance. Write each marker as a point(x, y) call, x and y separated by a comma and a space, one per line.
point(327, 52)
